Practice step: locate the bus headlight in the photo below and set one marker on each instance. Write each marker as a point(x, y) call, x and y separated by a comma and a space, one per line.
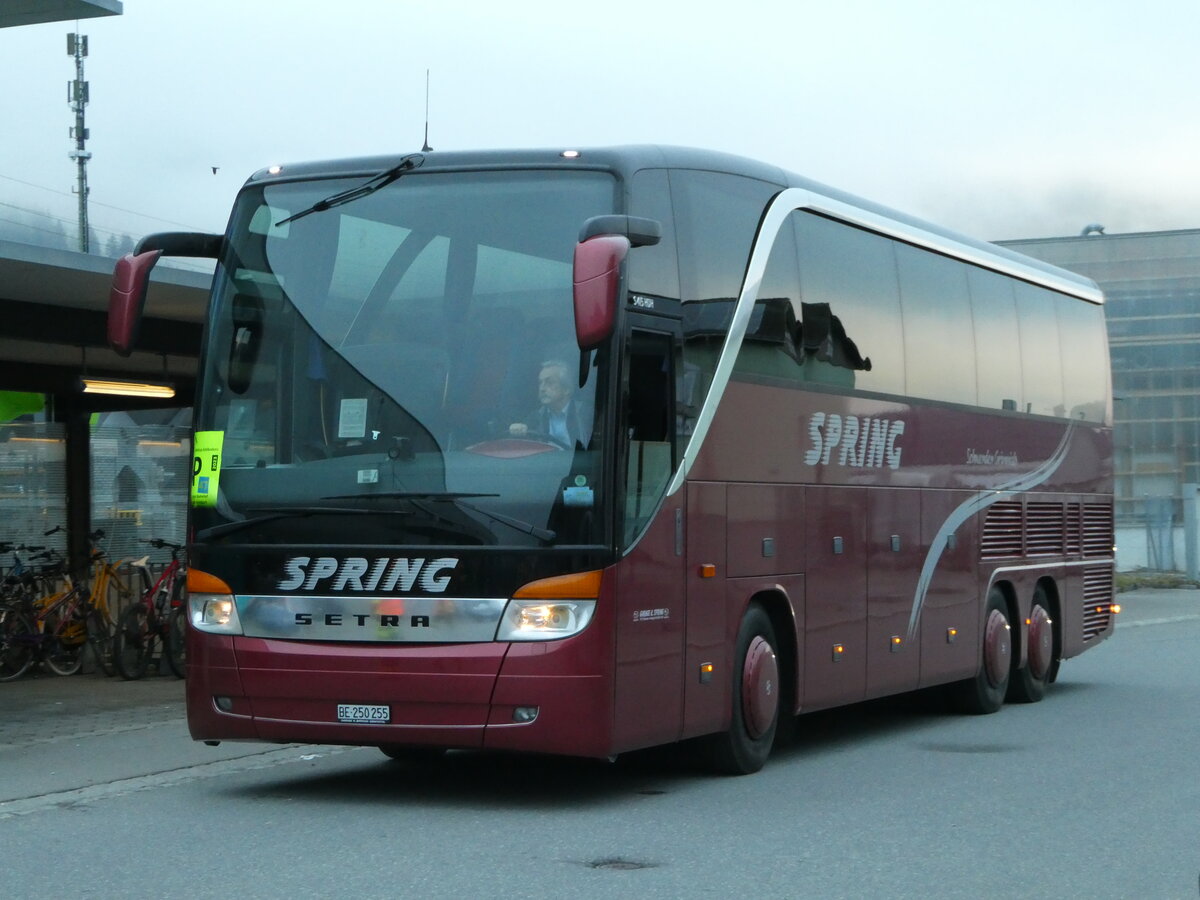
point(544, 620)
point(214, 613)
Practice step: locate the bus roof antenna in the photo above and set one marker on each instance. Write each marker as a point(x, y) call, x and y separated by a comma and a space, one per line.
point(425, 148)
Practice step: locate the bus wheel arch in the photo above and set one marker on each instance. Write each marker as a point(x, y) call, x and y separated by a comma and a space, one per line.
point(1042, 646)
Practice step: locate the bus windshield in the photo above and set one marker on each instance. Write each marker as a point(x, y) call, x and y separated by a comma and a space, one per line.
point(402, 368)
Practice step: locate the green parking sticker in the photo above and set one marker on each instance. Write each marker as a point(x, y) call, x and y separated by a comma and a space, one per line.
point(206, 467)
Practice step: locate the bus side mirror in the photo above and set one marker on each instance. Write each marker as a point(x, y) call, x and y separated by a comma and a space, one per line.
point(127, 298)
point(641, 232)
point(597, 284)
point(131, 279)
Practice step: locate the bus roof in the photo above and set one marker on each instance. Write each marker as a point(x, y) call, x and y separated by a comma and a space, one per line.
point(626, 160)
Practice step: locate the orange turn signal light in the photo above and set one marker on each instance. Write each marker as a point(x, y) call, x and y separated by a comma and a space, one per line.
point(578, 586)
point(202, 583)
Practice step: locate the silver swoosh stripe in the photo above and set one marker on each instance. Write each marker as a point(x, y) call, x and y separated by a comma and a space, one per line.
point(976, 504)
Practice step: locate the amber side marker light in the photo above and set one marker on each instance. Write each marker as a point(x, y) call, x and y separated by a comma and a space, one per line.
point(1116, 608)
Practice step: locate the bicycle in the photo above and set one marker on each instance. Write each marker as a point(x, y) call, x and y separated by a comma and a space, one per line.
point(157, 618)
point(106, 582)
point(18, 588)
point(49, 617)
point(48, 624)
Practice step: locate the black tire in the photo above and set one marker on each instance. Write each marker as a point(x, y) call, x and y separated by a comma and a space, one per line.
point(755, 706)
point(63, 643)
point(18, 638)
point(1029, 683)
point(133, 643)
point(100, 636)
point(414, 755)
point(984, 693)
point(177, 641)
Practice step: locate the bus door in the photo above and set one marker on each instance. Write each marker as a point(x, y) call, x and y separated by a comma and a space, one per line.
point(651, 616)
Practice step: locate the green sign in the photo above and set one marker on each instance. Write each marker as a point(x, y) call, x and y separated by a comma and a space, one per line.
point(206, 467)
point(18, 403)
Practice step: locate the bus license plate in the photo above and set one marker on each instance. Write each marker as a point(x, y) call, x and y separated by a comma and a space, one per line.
point(358, 714)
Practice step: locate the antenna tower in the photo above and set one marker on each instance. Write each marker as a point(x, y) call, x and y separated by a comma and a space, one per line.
point(77, 97)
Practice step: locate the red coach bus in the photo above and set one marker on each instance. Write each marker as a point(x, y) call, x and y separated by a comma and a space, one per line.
point(587, 451)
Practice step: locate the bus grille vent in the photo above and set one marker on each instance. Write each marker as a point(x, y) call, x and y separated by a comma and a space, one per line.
point(1002, 530)
point(1097, 600)
point(1044, 529)
point(1074, 529)
point(1097, 529)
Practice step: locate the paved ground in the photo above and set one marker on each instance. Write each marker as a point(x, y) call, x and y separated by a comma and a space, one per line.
point(43, 709)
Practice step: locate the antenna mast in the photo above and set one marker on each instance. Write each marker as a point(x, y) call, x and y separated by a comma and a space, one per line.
point(77, 97)
point(425, 148)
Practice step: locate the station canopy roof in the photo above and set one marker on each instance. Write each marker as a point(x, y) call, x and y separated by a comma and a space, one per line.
point(54, 310)
point(38, 12)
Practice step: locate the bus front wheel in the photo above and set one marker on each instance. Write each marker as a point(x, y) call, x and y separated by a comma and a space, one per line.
point(744, 748)
point(985, 692)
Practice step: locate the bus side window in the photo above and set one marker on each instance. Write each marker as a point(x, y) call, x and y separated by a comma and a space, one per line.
point(1041, 353)
point(849, 283)
point(649, 426)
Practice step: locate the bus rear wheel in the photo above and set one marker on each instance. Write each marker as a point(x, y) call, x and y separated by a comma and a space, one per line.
point(1030, 681)
point(985, 692)
point(744, 748)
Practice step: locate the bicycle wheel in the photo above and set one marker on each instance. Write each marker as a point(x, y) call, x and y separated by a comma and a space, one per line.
point(133, 643)
point(18, 638)
point(177, 641)
point(100, 635)
point(63, 640)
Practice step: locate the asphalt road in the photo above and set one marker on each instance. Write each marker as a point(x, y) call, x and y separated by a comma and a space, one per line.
point(1093, 792)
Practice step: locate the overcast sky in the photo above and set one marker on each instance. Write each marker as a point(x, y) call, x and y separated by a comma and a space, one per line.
point(1028, 118)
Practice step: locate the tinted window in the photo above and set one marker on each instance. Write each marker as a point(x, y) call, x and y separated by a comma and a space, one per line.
point(1085, 368)
point(939, 340)
point(997, 346)
point(770, 345)
point(1041, 365)
point(653, 269)
point(851, 305)
point(717, 218)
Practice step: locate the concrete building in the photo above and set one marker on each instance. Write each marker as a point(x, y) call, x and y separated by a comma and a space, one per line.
point(1152, 284)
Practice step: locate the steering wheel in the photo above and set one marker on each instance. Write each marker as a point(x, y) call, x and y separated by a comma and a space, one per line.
point(541, 437)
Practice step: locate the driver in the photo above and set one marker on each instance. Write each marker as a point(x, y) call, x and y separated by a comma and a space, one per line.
point(560, 415)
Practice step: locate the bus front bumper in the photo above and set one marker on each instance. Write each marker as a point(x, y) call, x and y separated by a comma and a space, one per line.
point(539, 697)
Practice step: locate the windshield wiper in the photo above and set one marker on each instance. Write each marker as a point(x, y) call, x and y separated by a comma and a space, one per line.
point(291, 512)
point(457, 498)
point(383, 179)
